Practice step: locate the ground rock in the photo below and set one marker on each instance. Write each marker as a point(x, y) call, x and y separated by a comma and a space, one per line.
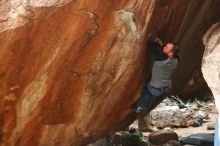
point(200, 139)
point(173, 143)
point(211, 126)
point(123, 138)
point(162, 137)
point(169, 143)
point(172, 116)
point(169, 114)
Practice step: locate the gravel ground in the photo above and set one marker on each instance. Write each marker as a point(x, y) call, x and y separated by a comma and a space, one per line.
point(182, 132)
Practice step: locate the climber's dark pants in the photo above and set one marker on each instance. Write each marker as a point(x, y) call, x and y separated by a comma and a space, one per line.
point(144, 98)
point(148, 93)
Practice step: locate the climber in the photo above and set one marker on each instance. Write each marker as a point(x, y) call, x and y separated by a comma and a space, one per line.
point(165, 61)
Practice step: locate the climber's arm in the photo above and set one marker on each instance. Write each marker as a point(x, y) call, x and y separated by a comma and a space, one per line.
point(156, 50)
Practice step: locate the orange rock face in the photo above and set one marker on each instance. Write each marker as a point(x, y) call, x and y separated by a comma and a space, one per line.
point(70, 70)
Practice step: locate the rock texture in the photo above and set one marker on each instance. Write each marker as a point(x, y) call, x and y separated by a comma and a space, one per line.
point(70, 70)
point(203, 139)
point(67, 68)
point(168, 114)
point(211, 61)
point(188, 79)
point(172, 116)
point(162, 137)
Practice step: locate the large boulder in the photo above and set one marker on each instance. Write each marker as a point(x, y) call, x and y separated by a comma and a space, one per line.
point(70, 70)
point(211, 64)
point(211, 61)
point(172, 116)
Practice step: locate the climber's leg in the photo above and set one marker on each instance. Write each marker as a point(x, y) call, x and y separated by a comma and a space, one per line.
point(143, 101)
point(146, 97)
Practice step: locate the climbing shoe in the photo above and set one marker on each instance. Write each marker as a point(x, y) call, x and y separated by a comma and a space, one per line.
point(139, 110)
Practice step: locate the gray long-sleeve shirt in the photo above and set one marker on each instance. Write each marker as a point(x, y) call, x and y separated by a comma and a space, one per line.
point(163, 67)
